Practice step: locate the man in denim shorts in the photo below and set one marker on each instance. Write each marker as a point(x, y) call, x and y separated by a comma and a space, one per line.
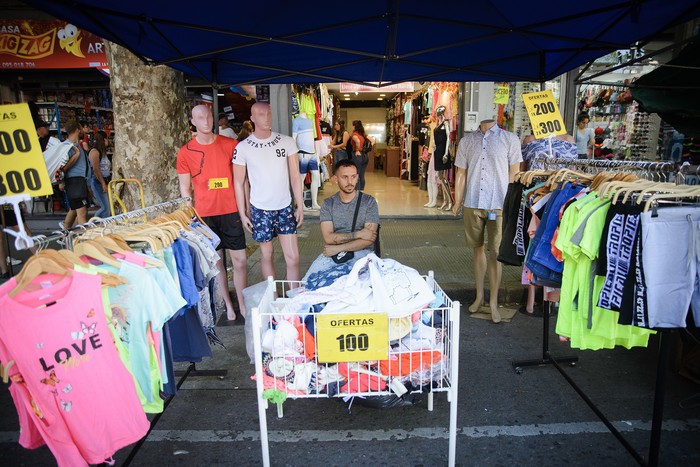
point(271, 163)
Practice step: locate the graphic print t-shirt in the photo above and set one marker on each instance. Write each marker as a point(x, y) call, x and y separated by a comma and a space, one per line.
point(67, 372)
point(268, 171)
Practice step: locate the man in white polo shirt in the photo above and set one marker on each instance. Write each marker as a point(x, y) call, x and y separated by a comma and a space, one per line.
point(271, 163)
point(486, 162)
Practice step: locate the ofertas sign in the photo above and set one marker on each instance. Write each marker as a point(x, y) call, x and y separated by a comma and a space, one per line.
point(22, 166)
point(352, 337)
point(544, 114)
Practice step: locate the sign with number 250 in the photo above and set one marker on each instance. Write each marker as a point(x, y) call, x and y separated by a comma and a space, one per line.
point(22, 166)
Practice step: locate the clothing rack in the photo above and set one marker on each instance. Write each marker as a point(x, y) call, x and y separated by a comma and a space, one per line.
point(42, 241)
point(143, 213)
point(663, 355)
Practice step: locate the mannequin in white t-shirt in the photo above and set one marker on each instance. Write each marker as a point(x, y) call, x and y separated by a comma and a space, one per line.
point(270, 161)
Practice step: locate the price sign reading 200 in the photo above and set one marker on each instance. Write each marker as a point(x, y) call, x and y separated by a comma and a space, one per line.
point(544, 114)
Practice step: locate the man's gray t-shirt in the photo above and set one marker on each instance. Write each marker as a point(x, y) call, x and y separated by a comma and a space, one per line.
point(341, 214)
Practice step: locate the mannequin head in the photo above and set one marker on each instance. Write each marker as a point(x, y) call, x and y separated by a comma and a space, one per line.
point(261, 116)
point(440, 113)
point(202, 119)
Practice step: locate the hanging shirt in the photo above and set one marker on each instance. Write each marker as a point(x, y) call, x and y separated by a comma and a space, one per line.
point(303, 132)
point(83, 401)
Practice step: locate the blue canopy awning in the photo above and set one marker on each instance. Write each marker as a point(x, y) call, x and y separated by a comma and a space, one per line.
point(372, 41)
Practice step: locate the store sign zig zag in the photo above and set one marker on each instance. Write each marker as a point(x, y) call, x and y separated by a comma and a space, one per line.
point(29, 47)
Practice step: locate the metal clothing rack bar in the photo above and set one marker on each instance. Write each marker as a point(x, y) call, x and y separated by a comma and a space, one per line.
point(67, 234)
point(663, 354)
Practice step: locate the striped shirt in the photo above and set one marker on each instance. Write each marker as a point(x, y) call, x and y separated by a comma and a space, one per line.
point(487, 158)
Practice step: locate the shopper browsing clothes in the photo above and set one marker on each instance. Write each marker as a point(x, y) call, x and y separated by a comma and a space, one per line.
point(76, 172)
point(270, 161)
point(100, 166)
point(360, 157)
point(584, 137)
point(487, 160)
point(204, 164)
point(349, 220)
point(340, 141)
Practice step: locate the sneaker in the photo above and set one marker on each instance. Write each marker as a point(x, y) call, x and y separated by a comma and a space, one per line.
point(62, 225)
point(12, 261)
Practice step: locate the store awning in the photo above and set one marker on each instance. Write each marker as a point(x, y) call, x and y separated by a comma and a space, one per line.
point(369, 40)
point(673, 91)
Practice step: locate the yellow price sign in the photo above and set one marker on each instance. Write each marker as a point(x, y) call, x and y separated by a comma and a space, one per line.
point(544, 114)
point(352, 337)
point(22, 166)
point(218, 183)
point(501, 95)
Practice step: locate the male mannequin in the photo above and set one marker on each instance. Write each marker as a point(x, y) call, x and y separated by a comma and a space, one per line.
point(271, 163)
point(303, 134)
point(204, 165)
point(486, 162)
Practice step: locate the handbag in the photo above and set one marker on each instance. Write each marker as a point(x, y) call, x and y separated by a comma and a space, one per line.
point(345, 256)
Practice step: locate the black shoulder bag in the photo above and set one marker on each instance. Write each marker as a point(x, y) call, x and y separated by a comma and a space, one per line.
point(345, 256)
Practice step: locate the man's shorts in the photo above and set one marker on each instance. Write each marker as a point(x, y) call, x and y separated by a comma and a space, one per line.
point(476, 222)
point(229, 229)
point(269, 224)
point(307, 163)
point(77, 203)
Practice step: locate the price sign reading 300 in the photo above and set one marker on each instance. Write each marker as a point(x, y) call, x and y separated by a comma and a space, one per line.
point(352, 337)
point(544, 114)
point(22, 166)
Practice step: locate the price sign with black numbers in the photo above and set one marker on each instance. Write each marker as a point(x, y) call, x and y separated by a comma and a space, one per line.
point(22, 166)
point(544, 114)
point(352, 337)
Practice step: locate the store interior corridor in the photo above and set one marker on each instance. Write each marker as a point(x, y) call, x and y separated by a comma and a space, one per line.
point(396, 197)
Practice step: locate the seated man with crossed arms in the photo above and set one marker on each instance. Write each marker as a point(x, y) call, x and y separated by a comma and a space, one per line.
point(337, 213)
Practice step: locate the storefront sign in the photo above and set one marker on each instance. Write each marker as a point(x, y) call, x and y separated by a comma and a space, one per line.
point(501, 95)
point(22, 166)
point(544, 114)
point(352, 337)
point(398, 87)
point(36, 44)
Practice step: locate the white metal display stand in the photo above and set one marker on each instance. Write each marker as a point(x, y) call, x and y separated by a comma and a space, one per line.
point(435, 377)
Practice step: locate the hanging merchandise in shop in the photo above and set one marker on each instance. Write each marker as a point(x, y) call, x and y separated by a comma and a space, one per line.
point(38, 44)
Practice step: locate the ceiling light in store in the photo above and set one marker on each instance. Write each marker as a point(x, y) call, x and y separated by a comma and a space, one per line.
point(356, 93)
point(380, 98)
point(346, 95)
point(347, 98)
point(382, 95)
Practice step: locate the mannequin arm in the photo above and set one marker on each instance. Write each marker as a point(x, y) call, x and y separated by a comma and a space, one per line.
point(512, 170)
point(295, 181)
point(460, 186)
